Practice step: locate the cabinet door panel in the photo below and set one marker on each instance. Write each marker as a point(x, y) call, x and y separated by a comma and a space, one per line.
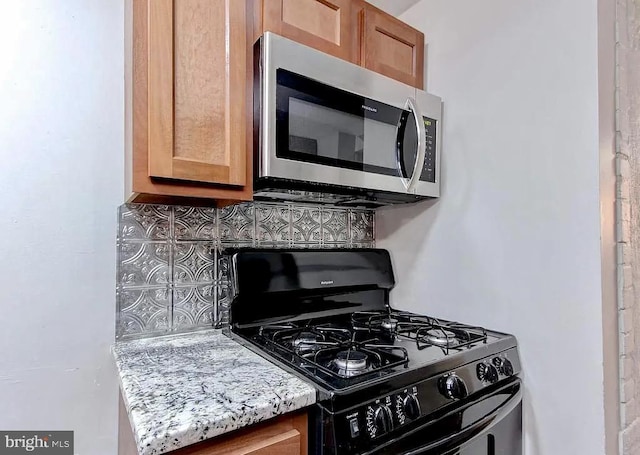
point(197, 91)
point(287, 435)
point(392, 47)
point(285, 444)
point(327, 25)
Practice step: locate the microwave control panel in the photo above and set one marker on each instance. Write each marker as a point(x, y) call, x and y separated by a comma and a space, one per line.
point(429, 169)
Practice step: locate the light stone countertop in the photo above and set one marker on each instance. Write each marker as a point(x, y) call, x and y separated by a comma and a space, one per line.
point(182, 389)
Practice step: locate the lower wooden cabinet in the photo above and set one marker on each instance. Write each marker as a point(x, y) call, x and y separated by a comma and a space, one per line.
point(284, 435)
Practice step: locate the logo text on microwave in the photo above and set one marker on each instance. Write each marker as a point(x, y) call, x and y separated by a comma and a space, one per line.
point(326, 282)
point(369, 108)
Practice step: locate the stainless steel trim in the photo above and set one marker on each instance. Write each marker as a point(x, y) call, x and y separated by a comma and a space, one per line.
point(278, 52)
point(413, 106)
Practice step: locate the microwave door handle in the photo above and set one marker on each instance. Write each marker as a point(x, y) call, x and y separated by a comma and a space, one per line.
point(412, 105)
point(400, 128)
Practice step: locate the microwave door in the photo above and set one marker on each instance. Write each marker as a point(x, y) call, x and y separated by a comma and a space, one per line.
point(330, 135)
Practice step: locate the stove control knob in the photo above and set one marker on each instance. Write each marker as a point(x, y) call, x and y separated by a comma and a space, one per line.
point(504, 366)
point(411, 406)
point(487, 372)
point(382, 420)
point(453, 387)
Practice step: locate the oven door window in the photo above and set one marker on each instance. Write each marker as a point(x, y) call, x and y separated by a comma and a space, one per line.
point(323, 125)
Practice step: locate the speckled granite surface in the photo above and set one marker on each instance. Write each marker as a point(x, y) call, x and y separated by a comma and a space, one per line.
point(183, 389)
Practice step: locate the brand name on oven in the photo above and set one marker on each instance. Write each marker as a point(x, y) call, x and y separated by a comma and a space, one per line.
point(326, 282)
point(369, 108)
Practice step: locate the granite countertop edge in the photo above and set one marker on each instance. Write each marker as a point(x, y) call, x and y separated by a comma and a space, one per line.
point(182, 389)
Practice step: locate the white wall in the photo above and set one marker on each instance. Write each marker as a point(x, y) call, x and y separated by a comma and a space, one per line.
point(513, 243)
point(394, 7)
point(61, 171)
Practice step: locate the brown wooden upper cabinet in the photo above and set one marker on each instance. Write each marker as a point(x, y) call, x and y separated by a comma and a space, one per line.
point(391, 47)
point(352, 30)
point(190, 96)
point(330, 26)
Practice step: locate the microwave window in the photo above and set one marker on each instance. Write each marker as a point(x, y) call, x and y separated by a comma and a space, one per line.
point(331, 134)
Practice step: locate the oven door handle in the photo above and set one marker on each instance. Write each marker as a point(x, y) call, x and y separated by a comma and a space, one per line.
point(483, 425)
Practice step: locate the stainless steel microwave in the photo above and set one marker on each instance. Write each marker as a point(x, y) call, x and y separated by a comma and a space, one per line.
point(327, 130)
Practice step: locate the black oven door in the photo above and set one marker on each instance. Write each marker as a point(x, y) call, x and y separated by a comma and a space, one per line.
point(489, 425)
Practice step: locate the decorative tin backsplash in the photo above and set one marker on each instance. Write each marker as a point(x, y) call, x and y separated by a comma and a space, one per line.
point(167, 278)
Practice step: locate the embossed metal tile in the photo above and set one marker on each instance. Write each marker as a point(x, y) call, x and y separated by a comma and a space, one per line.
point(192, 262)
point(166, 276)
point(362, 227)
point(363, 245)
point(143, 310)
point(223, 268)
point(305, 223)
point(144, 222)
point(273, 223)
point(192, 306)
point(223, 302)
point(143, 263)
point(335, 226)
point(194, 223)
point(237, 223)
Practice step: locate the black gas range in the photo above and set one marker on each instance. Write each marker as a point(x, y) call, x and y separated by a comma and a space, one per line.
point(388, 381)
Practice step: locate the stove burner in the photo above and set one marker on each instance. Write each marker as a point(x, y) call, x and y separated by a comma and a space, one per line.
point(351, 363)
point(441, 337)
point(389, 324)
point(379, 323)
point(305, 342)
point(351, 360)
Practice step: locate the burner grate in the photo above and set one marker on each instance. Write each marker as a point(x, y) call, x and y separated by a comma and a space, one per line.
point(334, 351)
point(378, 357)
point(364, 342)
point(425, 331)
